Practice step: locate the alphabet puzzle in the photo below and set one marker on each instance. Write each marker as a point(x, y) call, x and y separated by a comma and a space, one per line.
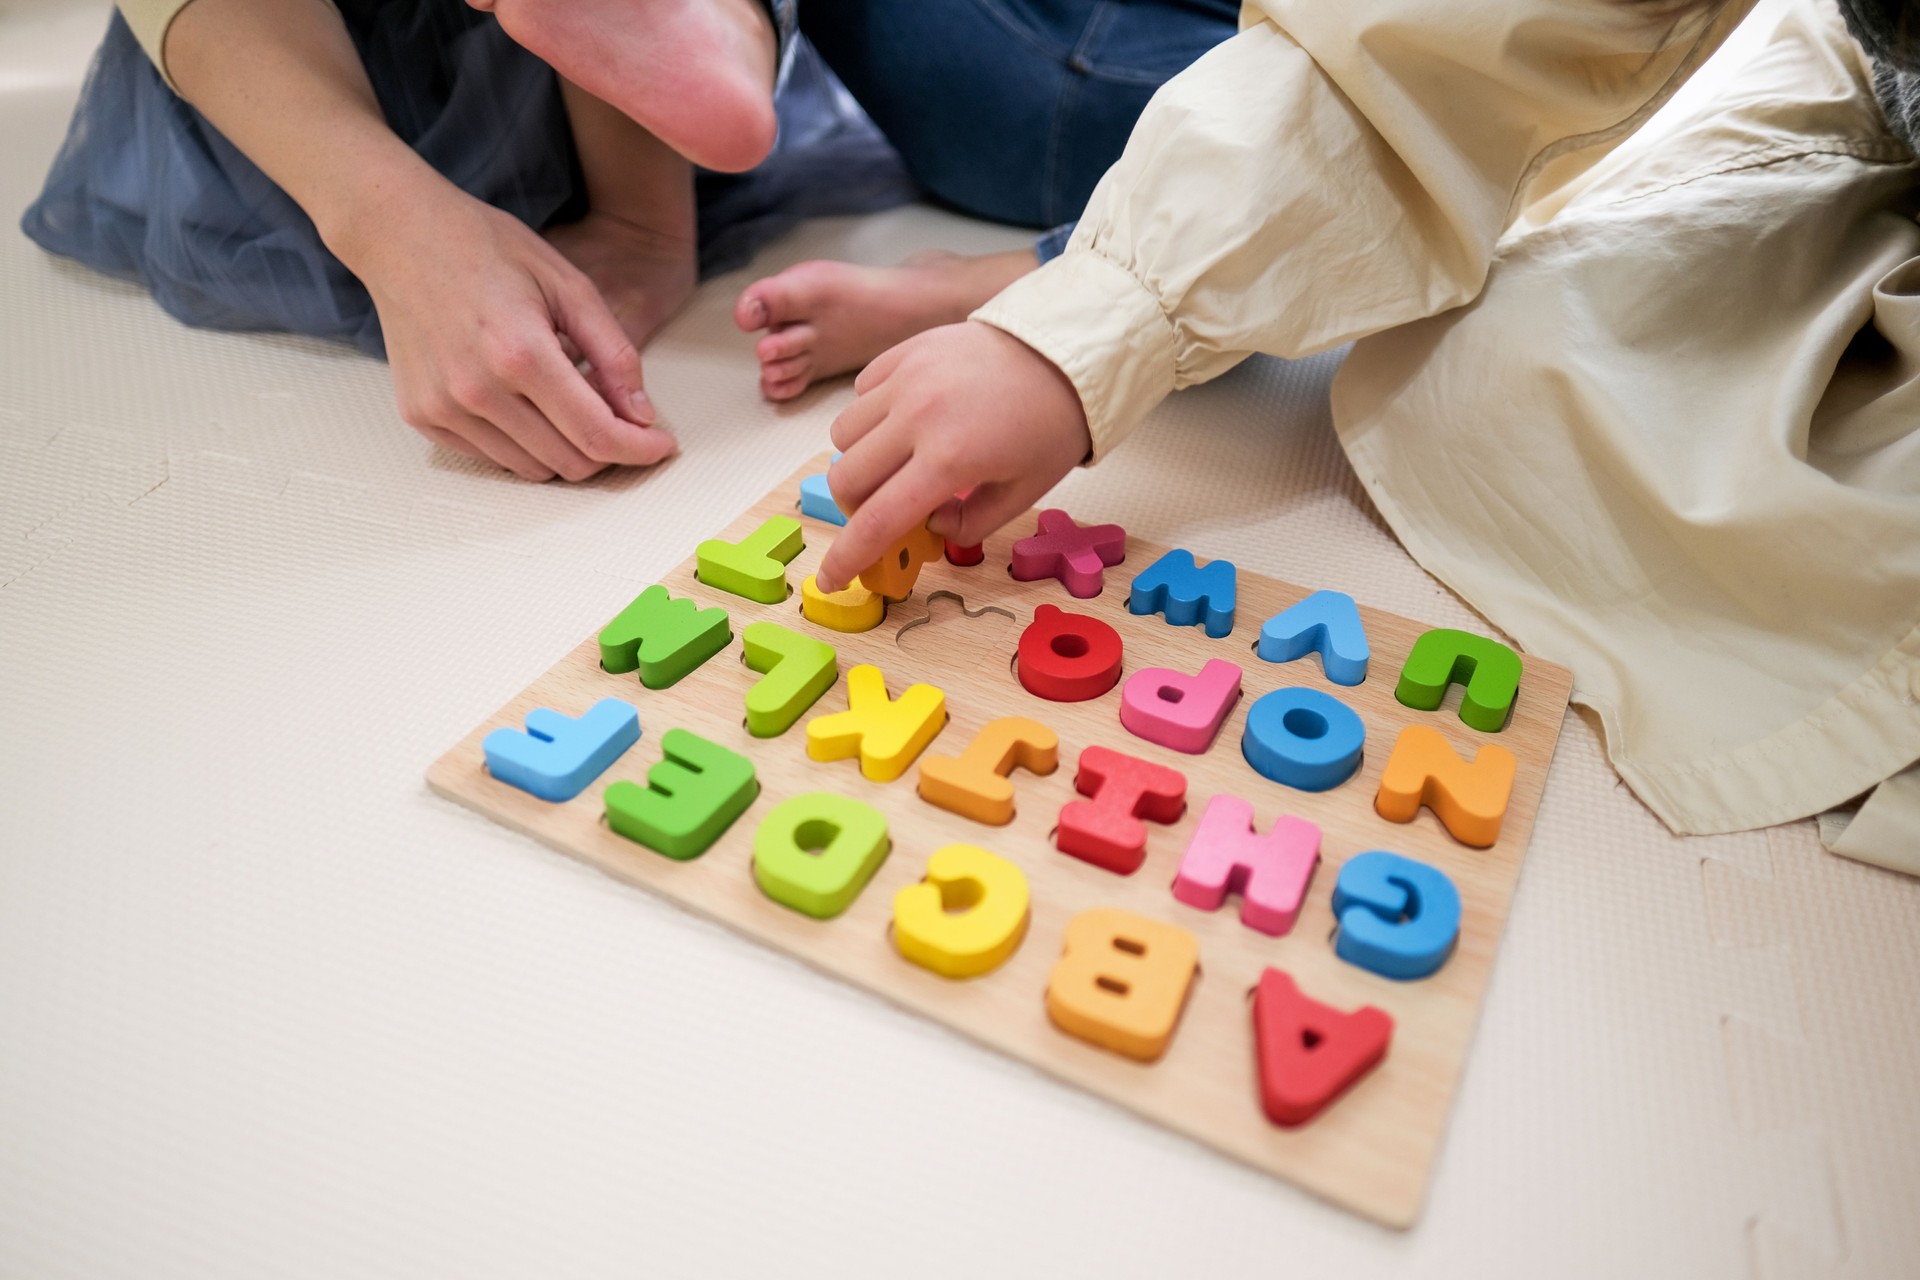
point(1231, 853)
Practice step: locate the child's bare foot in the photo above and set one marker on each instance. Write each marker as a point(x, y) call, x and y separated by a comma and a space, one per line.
point(643, 276)
point(698, 74)
point(824, 318)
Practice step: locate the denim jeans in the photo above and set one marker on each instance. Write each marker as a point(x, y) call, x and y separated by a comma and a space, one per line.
point(1011, 109)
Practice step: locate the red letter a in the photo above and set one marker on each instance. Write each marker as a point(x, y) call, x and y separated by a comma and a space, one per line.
point(1310, 1053)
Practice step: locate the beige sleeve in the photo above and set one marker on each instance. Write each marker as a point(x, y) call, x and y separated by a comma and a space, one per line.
point(150, 20)
point(1334, 170)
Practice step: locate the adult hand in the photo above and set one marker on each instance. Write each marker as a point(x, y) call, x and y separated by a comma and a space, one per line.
point(483, 320)
point(965, 407)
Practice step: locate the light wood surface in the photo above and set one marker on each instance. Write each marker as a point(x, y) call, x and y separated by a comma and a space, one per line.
point(1374, 1149)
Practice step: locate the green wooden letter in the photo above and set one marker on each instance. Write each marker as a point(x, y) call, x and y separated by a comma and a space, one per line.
point(691, 797)
point(1489, 669)
point(755, 566)
point(797, 669)
point(815, 852)
point(664, 637)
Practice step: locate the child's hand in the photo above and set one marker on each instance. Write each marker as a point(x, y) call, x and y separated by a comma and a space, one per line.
point(482, 319)
point(962, 407)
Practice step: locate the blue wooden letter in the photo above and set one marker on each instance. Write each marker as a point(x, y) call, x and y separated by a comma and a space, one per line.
point(1398, 918)
point(559, 756)
point(1326, 621)
point(1187, 594)
point(1303, 738)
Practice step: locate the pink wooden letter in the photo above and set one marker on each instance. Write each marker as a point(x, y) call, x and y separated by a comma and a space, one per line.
point(1180, 711)
point(1270, 872)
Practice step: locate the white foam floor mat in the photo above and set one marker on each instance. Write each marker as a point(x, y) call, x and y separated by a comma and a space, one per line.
point(268, 1008)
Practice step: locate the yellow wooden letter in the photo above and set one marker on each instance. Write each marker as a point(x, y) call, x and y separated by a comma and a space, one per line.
point(966, 917)
point(853, 610)
point(886, 735)
point(974, 783)
point(1122, 981)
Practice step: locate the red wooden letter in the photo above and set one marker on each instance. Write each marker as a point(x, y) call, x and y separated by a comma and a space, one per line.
point(1068, 657)
point(1107, 830)
point(1310, 1053)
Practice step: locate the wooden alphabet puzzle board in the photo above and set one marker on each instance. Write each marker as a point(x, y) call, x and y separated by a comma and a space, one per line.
point(1372, 1149)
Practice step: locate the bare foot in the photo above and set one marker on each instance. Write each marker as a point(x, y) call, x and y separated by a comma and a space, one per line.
point(825, 318)
point(644, 276)
point(698, 74)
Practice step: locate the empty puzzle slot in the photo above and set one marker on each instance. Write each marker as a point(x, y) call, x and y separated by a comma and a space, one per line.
point(989, 630)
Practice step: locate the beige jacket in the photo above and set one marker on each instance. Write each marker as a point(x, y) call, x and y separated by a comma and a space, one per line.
point(1618, 406)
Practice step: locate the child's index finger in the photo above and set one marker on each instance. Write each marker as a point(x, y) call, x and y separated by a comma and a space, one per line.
point(900, 504)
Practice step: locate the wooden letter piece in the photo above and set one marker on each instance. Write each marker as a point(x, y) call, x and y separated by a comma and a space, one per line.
point(967, 917)
point(795, 670)
point(1185, 594)
point(1310, 1053)
point(894, 573)
point(664, 637)
point(1327, 623)
point(816, 499)
point(1107, 830)
point(1122, 981)
point(754, 567)
point(853, 610)
point(559, 756)
point(975, 784)
point(1469, 799)
point(1304, 738)
point(1399, 917)
point(1180, 711)
point(1270, 872)
point(1490, 670)
point(816, 852)
point(692, 795)
point(1068, 657)
point(1075, 554)
point(885, 734)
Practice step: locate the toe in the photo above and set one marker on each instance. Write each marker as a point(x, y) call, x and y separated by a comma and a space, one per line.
point(782, 389)
point(750, 310)
point(784, 344)
point(800, 366)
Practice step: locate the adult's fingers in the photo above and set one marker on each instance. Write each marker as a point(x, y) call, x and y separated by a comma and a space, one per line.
point(528, 427)
point(579, 413)
point(497, 447)
point(449, 441)
point(969, 521)
point(855, 474)
point(617, 374)
point(894, 509)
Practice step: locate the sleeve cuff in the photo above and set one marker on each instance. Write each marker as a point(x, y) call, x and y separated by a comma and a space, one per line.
point(1102, 328)
point(149, 20)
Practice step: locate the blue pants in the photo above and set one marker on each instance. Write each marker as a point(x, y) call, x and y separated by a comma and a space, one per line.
point(1008, 109)
point(1011, 109)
